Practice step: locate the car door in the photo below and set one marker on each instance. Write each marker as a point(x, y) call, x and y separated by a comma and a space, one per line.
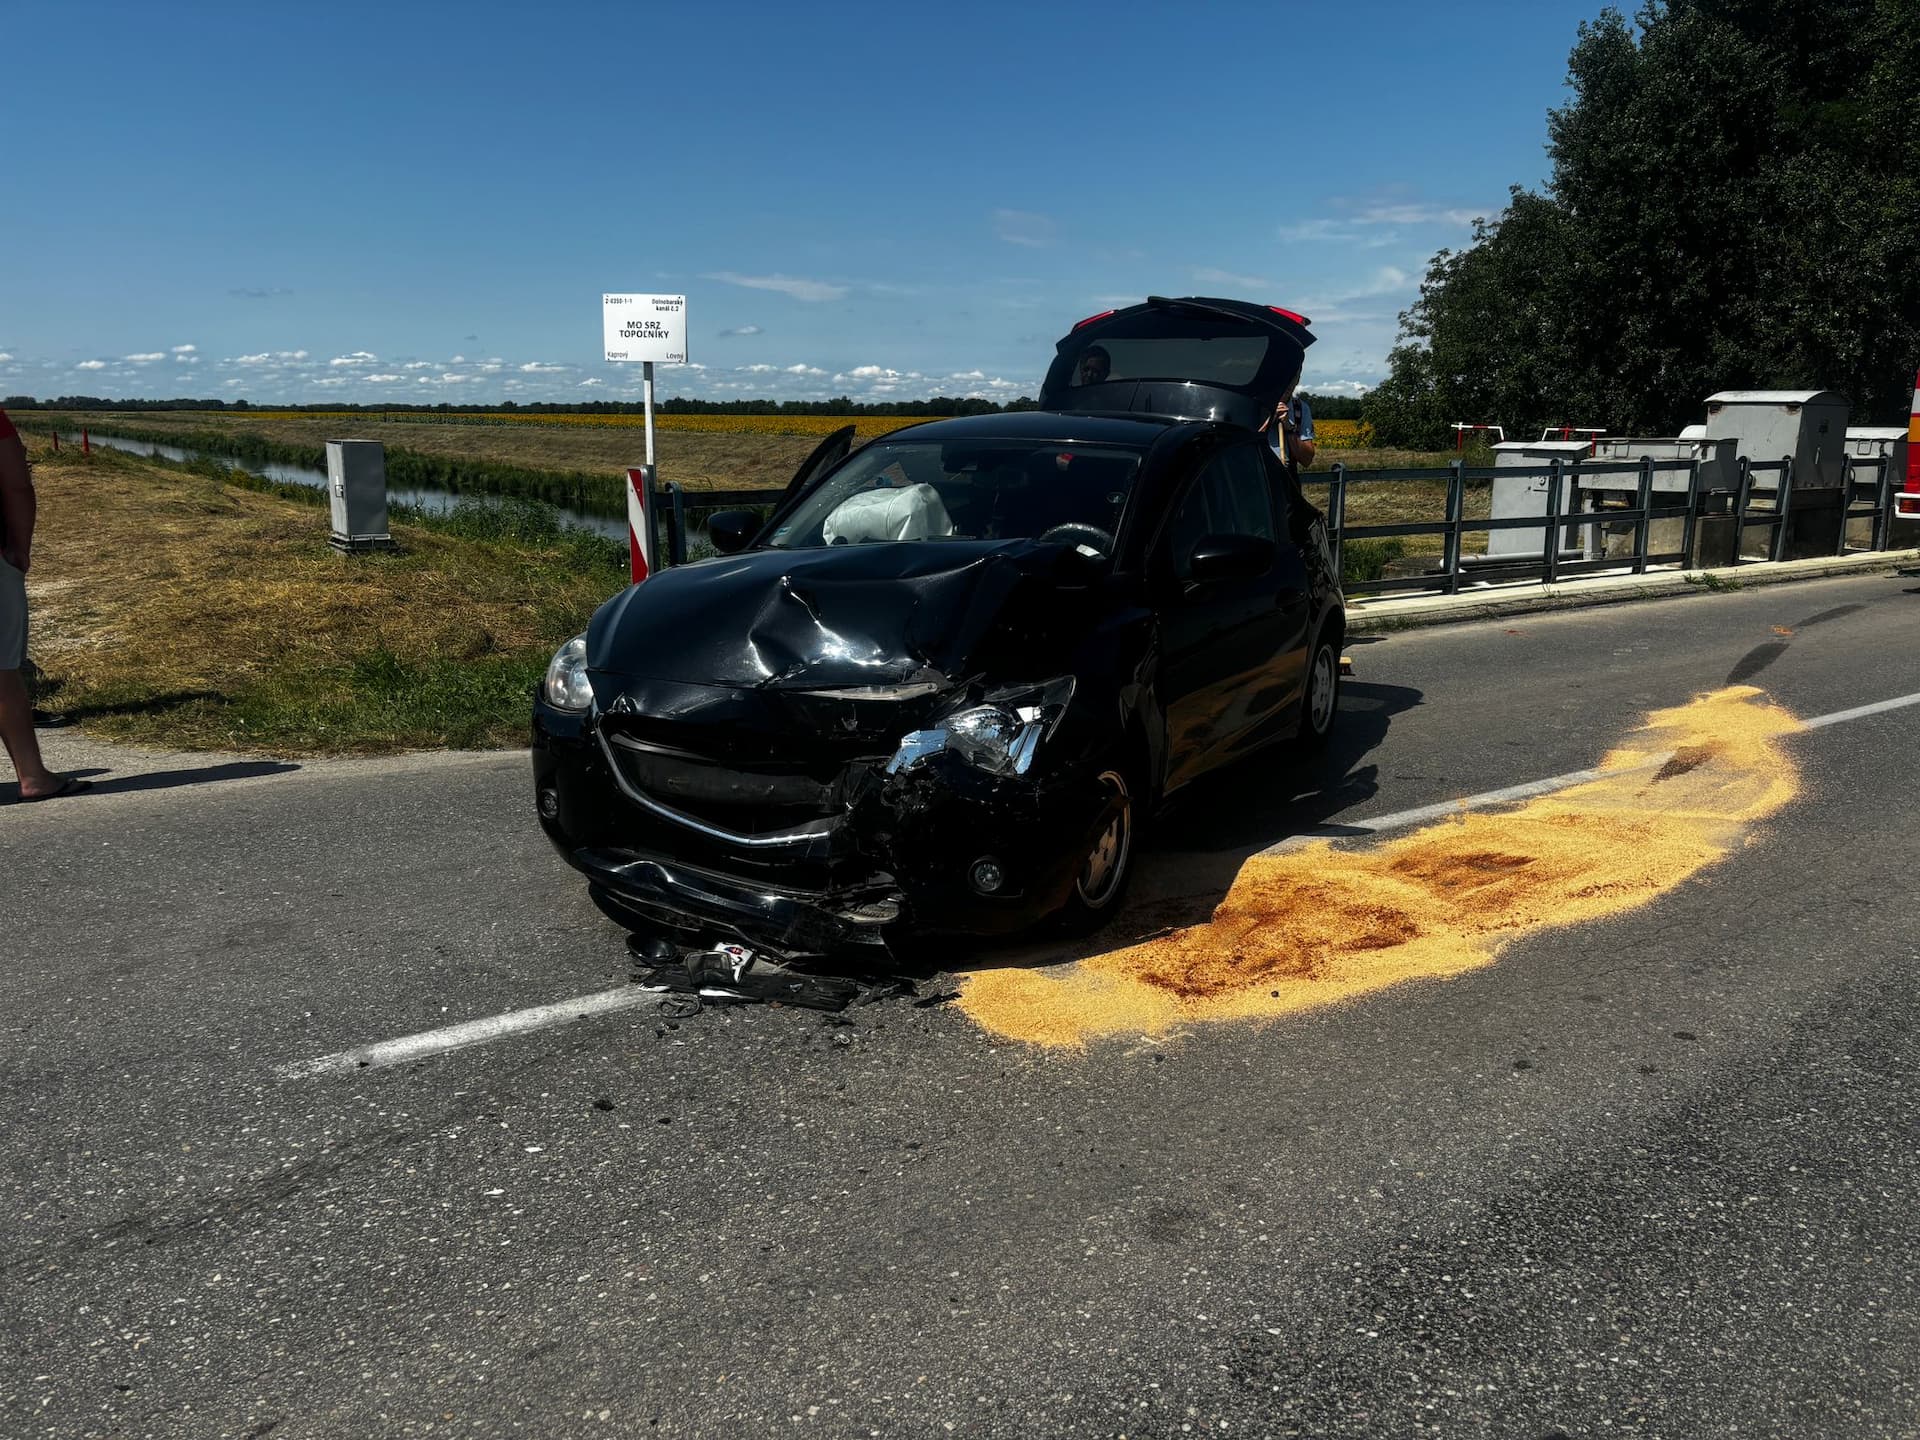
point(1226, 674)
point(822, 458)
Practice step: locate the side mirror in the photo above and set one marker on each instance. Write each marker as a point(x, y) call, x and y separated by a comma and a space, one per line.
point(732, 530)
point(1231, 557)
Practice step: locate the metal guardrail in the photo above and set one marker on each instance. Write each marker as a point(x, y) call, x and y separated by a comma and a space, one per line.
point(670, 505)
point(1696, 504)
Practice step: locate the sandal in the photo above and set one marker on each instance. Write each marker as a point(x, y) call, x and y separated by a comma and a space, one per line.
point(70, 785)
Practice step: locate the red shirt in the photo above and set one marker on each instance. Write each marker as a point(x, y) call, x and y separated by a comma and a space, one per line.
point(7, 432)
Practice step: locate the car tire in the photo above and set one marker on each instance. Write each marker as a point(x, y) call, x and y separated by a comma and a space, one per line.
point(1320, 700)
point(1100, 881)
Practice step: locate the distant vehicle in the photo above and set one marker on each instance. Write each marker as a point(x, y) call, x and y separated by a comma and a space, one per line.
point(1906, 505)
point(941, 688)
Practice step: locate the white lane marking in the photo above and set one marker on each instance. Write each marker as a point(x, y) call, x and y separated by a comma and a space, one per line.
point(541, 1017)
point(1860, 712)
point(473, 1032)
point(1401, 819)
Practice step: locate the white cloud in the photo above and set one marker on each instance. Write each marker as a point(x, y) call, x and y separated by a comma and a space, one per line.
point(357, 358)
point(756, 369)
point(185, 349)
point(1209, 276)
point(147, 358)
point(263, 358)
point(333, 381)
point(1025, 227)
point(1417, 215)
point(4, 357)
point(292, 354)
point(740, 330)
point(1386, 280)
point(186, 359)
point(91, 365)
point(385, 379)
point(798, 289)
point(868, 372)
point(542, 367)
point(452, 379)
point(585, 383)
point(418, 365)
point(804, 370)
point(458, 360)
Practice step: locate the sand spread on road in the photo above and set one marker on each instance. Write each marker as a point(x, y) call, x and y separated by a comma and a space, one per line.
point(1316, 925)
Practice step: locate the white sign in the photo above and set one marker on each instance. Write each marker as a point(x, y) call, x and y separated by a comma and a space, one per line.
point(646, 327)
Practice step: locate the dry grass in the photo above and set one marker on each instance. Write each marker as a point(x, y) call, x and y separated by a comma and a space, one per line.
point(692, 459)
point(170, 608)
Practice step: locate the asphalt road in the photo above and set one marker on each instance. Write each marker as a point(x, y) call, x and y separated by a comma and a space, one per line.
point(1655, 1176)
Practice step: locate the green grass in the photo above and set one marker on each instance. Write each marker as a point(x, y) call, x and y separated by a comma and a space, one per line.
point(191, 607)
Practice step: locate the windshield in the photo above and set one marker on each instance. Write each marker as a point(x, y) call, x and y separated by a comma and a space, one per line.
point(967, 490)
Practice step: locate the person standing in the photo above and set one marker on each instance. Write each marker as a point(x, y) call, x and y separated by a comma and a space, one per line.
point(1292, 428)
point(16, 546)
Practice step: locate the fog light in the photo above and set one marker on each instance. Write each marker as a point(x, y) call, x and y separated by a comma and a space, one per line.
point(549, 803)
point(986, 875)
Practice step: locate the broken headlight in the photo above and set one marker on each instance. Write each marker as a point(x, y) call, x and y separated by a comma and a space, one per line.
point(566, 687)
point(1000, 736)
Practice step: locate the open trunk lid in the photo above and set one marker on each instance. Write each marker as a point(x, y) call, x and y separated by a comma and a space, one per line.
point(1191, 359)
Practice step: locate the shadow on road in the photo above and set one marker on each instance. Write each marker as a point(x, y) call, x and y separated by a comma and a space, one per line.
point(161, 779)
point(1196, 850)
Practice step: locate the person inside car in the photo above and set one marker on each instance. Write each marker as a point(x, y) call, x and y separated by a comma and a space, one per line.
point(1095, 366)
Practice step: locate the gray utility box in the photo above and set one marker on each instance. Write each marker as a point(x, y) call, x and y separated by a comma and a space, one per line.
point(357, 490)
point(1518, 495)
point(1808, 426)
point(1866, 443)
point(1611, 480)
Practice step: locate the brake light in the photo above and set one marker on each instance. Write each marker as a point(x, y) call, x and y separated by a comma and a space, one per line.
point(1297, 319)
point(1091, 318)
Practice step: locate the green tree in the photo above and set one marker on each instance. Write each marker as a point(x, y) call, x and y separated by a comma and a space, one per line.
point(1731, 199)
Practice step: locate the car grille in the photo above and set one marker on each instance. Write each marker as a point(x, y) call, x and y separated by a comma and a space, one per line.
point(758, 797)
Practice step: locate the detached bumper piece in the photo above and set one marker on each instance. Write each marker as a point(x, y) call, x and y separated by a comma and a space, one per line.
point(734, 972)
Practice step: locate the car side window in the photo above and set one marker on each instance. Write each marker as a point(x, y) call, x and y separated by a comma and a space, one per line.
point(1247, 492)
point(1230, 496)
point(1281, 487)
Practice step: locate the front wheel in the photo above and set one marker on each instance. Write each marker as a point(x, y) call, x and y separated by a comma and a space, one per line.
point(1320, 703)
point(1100, 883)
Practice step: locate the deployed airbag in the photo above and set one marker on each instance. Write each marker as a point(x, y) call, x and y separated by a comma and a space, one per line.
point(914, 512)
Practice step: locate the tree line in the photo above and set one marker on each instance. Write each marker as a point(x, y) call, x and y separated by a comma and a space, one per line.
point(1731, 205)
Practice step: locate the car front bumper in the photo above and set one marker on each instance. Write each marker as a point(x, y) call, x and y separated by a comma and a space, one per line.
point(899, 860)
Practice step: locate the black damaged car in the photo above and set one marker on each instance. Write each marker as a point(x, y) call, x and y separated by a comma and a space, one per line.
point(942, 687)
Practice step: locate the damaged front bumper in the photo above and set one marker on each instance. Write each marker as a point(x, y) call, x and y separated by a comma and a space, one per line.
point(895, 853)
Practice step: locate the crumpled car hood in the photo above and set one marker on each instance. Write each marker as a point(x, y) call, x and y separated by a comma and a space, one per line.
point(831, 618)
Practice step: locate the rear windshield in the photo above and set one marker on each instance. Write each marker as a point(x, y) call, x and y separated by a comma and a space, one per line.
point(1224, 360)
point(967, 490)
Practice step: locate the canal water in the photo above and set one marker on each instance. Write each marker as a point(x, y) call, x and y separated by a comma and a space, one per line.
point(429, 500)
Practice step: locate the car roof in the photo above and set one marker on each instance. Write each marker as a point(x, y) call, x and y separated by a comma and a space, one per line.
point(1080, 427)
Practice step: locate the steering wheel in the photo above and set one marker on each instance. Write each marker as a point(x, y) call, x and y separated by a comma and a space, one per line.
point(1078, 531)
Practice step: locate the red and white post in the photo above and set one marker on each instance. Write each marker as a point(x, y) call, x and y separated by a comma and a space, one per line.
point(640, 539)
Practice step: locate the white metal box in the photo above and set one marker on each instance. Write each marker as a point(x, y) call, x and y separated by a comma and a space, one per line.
point(1770, 425)
point(1517, 495)
point(357, 491)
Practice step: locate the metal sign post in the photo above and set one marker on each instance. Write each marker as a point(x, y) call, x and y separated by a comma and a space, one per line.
point(644, 328)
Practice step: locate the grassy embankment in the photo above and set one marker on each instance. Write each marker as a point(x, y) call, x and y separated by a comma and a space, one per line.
point(581, 465)
point(173, 606)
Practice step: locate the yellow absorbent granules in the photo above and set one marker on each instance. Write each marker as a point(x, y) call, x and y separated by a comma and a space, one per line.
point(1315, 925)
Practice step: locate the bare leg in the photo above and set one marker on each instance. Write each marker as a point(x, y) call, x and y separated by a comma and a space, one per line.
point(16, 729)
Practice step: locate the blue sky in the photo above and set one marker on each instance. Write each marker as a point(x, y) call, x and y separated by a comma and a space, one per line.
point(425, 202)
